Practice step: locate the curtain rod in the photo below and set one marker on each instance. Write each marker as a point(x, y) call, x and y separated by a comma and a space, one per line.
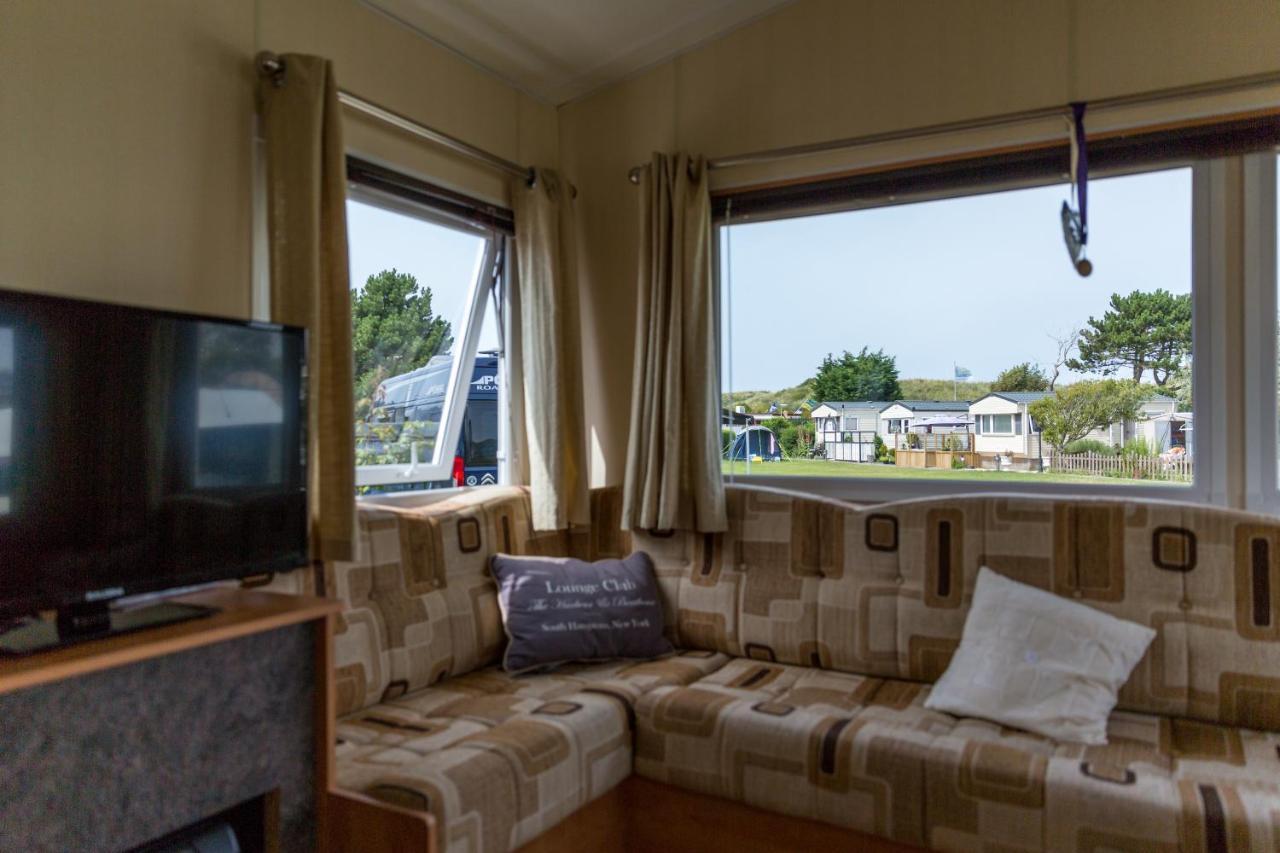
point(271, 65)
point(1021, 117)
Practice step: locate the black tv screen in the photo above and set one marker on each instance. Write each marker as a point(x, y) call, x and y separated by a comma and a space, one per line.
point(144, 450)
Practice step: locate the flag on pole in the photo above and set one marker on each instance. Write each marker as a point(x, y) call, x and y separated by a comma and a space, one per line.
point(962, 372)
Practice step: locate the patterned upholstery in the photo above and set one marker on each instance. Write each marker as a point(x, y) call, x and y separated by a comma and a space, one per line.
point(885, 590)
point(812, 629)
point(863, 752)
point(498, 759)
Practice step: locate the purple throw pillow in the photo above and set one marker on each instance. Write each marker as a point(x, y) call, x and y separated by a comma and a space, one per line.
point(558, 609)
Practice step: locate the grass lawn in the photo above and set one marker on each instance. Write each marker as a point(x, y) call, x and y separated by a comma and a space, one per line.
point(825, 468)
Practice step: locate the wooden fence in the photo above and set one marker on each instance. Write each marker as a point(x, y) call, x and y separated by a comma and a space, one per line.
point(934, 441)
point(1129, 467)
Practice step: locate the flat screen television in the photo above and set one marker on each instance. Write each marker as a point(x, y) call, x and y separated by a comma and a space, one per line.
point(143, 450)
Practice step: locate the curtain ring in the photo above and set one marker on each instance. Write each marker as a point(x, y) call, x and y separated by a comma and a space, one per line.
point(271, 65)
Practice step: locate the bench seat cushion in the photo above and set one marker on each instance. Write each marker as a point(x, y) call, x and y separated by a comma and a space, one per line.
point(499, 758)
point(864, 752)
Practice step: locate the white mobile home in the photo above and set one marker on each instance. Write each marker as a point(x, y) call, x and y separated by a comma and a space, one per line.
point(902, 416)
point(848, 416)
point(1001, 423)
point(847, 429)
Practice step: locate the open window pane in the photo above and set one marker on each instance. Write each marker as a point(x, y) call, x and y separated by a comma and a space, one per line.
point(952, 339)
point(418, 286)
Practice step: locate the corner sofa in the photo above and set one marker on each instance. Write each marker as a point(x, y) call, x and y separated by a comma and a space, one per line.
point(809, 635)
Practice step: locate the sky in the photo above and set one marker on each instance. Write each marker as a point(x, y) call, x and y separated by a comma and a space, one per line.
point(982, 281)
point(444, 259)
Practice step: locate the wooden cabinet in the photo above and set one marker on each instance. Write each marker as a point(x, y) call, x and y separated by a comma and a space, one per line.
point(117, 742)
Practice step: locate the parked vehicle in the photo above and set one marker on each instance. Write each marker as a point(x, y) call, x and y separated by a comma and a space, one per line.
point(413, 402)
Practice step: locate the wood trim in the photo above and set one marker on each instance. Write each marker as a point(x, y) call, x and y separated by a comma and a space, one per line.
point(693, 822)
point(372, 176)
point(642, 815)
point(1152, 145)
point(325, 725)
point(360, 823)
point(241, 612)
point(271, 821)
point(994, 151)
point(600, 825)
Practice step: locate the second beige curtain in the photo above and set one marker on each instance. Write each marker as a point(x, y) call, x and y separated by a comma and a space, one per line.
point(306, 213)
point(547, 341)
point(673, 475)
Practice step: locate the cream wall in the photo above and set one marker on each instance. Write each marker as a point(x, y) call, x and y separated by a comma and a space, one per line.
point(826, 69)
point(126, 135)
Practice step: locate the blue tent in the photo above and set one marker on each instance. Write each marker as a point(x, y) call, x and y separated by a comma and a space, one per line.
point(755, 441)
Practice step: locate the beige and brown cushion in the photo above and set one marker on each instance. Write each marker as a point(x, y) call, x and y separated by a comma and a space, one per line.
point(885, 590)
point(420, 604)
point(496, 777)
point(863, 752)
point(497, 758)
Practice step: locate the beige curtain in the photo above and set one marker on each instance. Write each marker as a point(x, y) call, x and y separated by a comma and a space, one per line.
point(673, 477)
point(547, 336)
point(306, 215)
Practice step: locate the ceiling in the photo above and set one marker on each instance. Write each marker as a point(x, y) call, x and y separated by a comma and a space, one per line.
point(559, 50)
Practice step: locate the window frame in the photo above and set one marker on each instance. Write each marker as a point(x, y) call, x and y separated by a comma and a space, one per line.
point(1262, 414)
point(486, 283)
point(1211, 195)
point(990, 422)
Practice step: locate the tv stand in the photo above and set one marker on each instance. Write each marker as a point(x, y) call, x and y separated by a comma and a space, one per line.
point(93, 620)
point(123, 740)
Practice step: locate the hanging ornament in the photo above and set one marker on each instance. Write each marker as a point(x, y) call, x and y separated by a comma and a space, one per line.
point(1075, 220)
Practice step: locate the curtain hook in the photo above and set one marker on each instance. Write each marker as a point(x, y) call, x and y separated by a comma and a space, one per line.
point(271, 65)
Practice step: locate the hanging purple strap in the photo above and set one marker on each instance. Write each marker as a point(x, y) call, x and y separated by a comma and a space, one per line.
point(1081, 177)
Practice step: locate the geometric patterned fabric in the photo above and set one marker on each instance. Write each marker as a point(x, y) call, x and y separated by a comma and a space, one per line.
point(811, 632)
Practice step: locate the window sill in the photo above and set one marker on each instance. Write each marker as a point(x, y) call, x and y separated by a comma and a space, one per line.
point(884, 489)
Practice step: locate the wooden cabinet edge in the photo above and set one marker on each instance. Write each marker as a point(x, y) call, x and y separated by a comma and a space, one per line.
point(358, 823)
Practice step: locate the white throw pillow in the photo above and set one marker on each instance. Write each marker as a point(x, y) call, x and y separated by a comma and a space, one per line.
point(1035, 661)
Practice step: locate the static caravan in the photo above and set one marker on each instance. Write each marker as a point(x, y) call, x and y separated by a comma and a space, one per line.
point(847, 430)
point(1152, 410)
point(902, 417)
point(1002, 424)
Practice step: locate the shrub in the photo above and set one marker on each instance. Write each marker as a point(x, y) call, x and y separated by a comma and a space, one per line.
point(957, 462)
point(726, 439)
point(1137, 447)
point(1090, 445)
point(883, 452)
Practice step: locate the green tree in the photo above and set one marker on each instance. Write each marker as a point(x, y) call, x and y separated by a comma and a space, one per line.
point(1022, 377)
point(1179, 386)
point(865, 376)
point(1075, 410)
point(394, 330)
point(1140, 332)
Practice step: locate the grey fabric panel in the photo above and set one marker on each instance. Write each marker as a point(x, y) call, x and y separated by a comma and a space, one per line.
point(120, 757)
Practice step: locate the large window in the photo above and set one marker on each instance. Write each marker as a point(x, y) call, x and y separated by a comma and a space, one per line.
point(965, 311)
point(426, 343)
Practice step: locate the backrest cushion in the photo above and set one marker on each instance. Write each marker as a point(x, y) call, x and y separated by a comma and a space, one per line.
point(881, 590)
point(420, 603)
point(884, 590)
